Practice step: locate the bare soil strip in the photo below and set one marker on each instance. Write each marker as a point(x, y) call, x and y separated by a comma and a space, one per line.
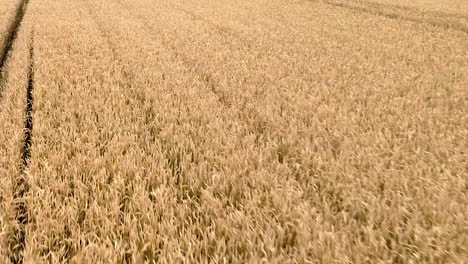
point(439, 19)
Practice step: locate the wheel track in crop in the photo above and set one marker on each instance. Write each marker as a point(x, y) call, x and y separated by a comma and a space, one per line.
point(205, 76)
point(443, 20)
point(223, 30)
point(12, 33)
point(261, 124)
point(173, 156)
point(21, 187)
point(16, 239)
point(408, 9)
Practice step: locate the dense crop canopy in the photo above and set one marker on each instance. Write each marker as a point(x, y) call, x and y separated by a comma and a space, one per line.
point(235, 132)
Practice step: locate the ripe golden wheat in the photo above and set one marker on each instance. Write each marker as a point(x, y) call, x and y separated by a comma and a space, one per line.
point(245, 131)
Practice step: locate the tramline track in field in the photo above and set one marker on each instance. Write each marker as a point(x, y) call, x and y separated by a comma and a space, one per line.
point(21, 186)
point(11, 35)
point(437, 19)
point(16, 240)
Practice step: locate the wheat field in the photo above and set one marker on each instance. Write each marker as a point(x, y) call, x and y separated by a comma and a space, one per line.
point(248, 131)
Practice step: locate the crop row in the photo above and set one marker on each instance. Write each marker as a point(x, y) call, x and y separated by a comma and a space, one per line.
point(247, 131)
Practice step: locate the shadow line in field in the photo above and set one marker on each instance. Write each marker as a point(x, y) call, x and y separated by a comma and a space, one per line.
point(437, 19)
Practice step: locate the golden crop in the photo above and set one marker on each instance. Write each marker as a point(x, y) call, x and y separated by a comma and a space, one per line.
point(449, 6)
point(276, 131)
point(7, 16)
